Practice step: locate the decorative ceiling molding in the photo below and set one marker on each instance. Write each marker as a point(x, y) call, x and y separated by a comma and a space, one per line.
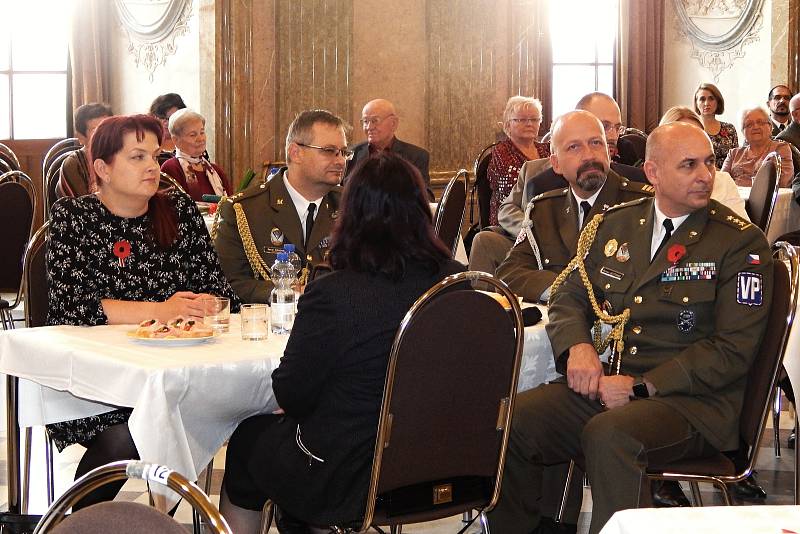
point(152, 26)
point(718, 30)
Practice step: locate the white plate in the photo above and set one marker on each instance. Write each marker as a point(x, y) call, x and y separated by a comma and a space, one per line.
point(170, 341)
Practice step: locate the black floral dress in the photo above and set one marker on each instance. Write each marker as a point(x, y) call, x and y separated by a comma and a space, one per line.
point(83, 268)
point(724, 141)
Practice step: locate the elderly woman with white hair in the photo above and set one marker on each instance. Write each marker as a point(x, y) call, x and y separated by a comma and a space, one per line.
point(189, 167)
point(743, 163)
point(521, 120)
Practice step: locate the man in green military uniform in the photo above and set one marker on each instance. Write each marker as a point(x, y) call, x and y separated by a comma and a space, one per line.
point(696, 281)
point(298, 206)
point(553, 220)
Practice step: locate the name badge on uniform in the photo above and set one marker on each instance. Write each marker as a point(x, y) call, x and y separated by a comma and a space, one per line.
point(749, 289)
point(611, 273)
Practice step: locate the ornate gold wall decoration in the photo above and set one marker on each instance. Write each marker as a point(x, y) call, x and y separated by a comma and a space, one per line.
point(313, 58)
point(719, 30)
point(152, 26)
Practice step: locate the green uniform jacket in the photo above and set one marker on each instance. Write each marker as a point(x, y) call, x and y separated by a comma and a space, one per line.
point(554, 217)
point(273, 222)
point(695, 325)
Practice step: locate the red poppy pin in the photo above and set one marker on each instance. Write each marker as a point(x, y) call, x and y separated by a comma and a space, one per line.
point(675, 253)
point(122, 249)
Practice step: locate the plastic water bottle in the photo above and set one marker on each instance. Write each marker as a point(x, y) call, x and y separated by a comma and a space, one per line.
point(294, 260)
point(282, 298)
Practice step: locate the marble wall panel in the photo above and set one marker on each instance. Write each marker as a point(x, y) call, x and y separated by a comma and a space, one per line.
point(463, 46)
point(314, 42)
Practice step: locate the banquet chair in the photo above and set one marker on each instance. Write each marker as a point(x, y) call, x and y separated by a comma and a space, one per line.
point(442, 433)
point(450, 212)
point(481, 186)
point(51, 183)
point(17, 209)
point(7, 155)
point(720, 470)
point(65, 145)
point(168, 182)
point(638, 141)
point(764, 193)
point(127, 517)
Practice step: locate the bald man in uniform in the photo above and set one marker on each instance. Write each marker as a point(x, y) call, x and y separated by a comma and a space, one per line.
point(554, 219)
point(380, 121)
point(297, 206)
point(697, 280)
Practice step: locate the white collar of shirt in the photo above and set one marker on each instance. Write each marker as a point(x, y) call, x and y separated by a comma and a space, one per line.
point(591, 200)
point(778, 124)
point(658, 227)
point(300, 203)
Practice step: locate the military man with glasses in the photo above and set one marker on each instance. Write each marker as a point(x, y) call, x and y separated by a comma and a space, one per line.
point(778, 102)
point(298, 206)
point(379, 121)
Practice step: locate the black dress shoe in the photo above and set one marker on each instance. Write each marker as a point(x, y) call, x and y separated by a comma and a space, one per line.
point(749, 489)
point(668, 494)
point(792, 438)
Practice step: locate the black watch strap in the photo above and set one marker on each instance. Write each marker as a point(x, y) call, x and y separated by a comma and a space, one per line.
point(640, 389)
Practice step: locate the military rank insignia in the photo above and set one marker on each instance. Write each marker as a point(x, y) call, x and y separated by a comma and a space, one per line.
point(749, 289)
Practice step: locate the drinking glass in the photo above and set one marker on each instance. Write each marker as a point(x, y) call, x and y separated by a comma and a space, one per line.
point(255, 322)
point(217, 313)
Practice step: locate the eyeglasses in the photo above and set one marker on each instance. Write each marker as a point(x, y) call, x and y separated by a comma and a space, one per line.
point(374, 121)
point(754, 124)
point(533, 120)
point(331, 151)
point(609, 128)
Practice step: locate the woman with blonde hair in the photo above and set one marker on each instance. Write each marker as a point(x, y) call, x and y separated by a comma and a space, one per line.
point(521, 121)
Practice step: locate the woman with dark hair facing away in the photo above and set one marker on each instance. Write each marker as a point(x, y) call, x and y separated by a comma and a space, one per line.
point(75, 174)
point(122, 255)
point(313, 457)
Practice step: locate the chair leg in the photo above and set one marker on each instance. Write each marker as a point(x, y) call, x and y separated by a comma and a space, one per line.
point(267, 515)
point(696, 497)
point(776, 420)
point(466, 517)
point(484, 523)
point(197, 521)
point(48, 455)
point(396, 529)
point(565, 494)
point(26, 473)
point(726, 496)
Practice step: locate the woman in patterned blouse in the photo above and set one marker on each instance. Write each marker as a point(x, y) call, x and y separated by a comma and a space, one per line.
point(708, 103)
point(122, 255)
point(521, 120)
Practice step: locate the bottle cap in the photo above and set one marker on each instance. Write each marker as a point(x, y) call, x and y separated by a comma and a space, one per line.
point(288, 247)
point(283, 256)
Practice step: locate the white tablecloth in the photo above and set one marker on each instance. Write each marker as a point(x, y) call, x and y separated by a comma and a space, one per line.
point(708, 520)
point(785, 217)
point(186, 400)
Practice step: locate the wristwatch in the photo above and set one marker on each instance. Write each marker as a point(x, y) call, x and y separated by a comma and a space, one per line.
point(640, 389)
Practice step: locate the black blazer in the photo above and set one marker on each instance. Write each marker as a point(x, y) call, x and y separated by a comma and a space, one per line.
point(548, 180)
point(330, 382)
point(417, 156)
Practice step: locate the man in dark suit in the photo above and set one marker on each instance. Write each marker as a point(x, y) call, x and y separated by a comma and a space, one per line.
point(791, 134)
point(778, 102)
point(380, 121)
point(689, 339)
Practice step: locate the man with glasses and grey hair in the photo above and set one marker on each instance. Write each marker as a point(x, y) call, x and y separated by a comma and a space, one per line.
point(379, 121)
point(297, 206)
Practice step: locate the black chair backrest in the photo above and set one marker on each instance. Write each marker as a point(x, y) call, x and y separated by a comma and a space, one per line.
point(120, 518)
point(795, 159)
point(764, 192)
point(764, 371)
point(450, 212)
point(65, 145)
point(450, 388)
point(154, 475)
point(34, 272)
point(17, 206)
point(7, 155)
point(53, 175)
point(638, 142)
point(481, 186)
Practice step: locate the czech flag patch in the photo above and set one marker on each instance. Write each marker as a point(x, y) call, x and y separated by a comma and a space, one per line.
point(753, 259)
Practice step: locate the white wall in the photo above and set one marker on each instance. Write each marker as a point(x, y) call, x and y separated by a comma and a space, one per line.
point(745, 84)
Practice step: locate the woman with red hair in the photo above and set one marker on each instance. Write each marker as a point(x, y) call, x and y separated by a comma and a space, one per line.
point(122, 255)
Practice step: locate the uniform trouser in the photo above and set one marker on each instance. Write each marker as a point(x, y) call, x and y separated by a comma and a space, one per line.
point(489, 249)
point(552, 425)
